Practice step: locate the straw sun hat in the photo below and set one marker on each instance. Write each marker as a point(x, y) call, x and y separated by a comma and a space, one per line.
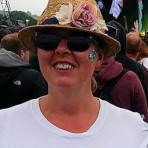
point(76, 15)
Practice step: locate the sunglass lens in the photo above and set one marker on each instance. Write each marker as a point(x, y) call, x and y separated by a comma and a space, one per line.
point(47, 41)
point(75, 41)
point(78, 43)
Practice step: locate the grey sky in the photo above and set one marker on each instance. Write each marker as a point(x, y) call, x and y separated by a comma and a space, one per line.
point(34, 6)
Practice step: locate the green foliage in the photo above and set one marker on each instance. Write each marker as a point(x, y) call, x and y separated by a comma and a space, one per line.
point(1, 16)
point(145, 22)
point(20, 15)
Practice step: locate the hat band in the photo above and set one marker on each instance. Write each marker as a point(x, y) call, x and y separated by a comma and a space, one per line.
point(50, 21)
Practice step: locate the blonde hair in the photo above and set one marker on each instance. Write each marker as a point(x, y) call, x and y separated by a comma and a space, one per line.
point(94, 85)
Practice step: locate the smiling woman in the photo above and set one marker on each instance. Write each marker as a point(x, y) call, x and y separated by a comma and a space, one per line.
point(70, 47)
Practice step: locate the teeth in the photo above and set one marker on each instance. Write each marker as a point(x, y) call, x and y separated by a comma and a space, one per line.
point(64, 66)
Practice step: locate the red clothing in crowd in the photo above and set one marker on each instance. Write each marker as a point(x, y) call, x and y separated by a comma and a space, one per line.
point(128, 92)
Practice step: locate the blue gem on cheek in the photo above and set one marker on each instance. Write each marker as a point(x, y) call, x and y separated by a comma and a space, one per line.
point(92, 55)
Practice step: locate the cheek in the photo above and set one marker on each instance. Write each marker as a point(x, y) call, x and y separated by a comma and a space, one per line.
point(87, 66)
point(44, 58)
point(83, 57)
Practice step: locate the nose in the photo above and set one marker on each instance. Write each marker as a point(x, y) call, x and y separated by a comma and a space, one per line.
point(62, 48)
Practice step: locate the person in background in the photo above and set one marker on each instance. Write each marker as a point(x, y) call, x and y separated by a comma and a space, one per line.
point(129, 84)
point(144, 60)
point(128, 63)
point(71, 43)
point(134, 46)
point(18, 82)
point(10, 42)
point(140, 48)
point(143, 52)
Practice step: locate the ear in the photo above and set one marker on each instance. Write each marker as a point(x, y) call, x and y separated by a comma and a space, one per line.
point(99, 60)
point(22, 53)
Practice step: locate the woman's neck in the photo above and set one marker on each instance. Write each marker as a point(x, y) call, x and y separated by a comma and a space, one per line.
point(84, 112)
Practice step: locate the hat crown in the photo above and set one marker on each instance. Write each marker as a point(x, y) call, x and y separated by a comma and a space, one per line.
point(80, 13)
point(71, 15)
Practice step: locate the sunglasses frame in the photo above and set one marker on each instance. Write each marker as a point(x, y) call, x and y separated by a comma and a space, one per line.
point(89, 39)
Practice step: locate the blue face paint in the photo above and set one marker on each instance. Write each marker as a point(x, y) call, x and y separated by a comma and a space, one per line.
point(92, 55)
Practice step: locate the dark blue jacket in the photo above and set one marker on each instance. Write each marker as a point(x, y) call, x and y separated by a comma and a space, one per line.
point(18, 82)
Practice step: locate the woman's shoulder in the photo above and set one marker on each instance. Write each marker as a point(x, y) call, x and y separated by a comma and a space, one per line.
point(124, 125)
point(131, 78)
point(16, 111)
point(130, 74)
point(123, 117)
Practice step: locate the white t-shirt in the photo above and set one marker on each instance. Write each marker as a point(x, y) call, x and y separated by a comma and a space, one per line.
point(24, 126)
point(144, 62)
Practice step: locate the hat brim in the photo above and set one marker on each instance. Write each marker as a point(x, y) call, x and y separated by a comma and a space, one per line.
point(26, 35)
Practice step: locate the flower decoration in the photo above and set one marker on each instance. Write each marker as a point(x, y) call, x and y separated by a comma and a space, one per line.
point(83, 15)
point(100, 24)
point(65, 13)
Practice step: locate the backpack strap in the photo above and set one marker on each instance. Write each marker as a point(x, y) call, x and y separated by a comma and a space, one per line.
point(111, 83)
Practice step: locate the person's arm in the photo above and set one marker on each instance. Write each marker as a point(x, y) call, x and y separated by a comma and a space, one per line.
point(136, 26)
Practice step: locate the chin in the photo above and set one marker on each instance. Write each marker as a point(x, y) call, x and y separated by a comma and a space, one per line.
point(63, 82)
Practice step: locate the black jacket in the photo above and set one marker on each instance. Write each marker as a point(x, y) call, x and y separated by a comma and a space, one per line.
point(18, 82)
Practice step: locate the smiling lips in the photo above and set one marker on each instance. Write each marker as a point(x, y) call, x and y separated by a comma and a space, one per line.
point(63, 66)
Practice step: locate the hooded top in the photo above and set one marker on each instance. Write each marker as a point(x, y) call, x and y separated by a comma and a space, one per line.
point(9, 62)
point(128, 63)
point(9, 59)
point(18, 82)
point(127, 92)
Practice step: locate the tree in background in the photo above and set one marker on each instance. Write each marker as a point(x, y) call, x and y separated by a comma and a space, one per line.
point(20, 15)
point(15, 22)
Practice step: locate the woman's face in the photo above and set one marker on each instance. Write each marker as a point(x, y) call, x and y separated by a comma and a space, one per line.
point(65, 68)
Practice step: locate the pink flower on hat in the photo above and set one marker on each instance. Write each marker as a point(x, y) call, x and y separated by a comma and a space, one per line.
point(84, 15)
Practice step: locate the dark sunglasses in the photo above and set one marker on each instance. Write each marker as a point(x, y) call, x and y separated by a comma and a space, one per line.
point(78, 42)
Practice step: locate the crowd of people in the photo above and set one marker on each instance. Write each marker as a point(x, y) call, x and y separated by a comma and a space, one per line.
point(91, 89)
point(19, 82)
